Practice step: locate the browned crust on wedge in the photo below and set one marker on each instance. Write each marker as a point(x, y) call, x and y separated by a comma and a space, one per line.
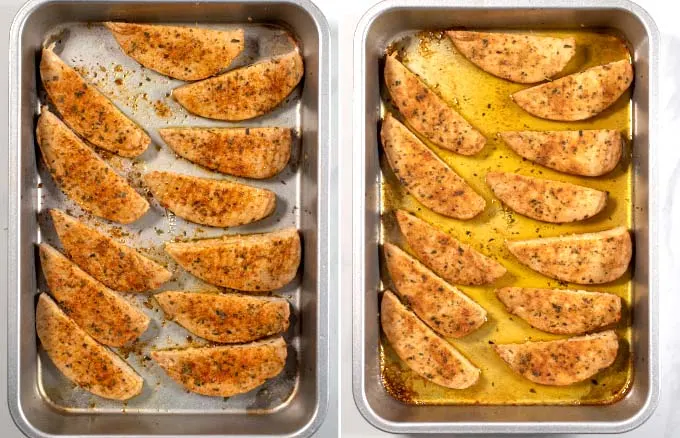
point(425, 176)
point(243, 93)
point(102, 313)
point(207, 201)
point(226, 370)
point(226, 318)
point(116, 265)
point(83, 176)
point(422, 349)
point(247, 152)
point(80, 358)
point(427, 113)
point(186, 53)
point(249, 262)
point(88, 112)
point(452, 260)
point(561, 311)
point(578, 96)
point(563, 362)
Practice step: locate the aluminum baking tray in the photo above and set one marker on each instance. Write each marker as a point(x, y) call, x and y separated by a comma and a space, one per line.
point(42, 402)
point(377, 29)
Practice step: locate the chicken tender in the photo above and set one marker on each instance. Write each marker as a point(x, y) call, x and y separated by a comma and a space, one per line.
point(591, 258)
point(226, 318)
point(429, 179)
point(243, 93)
point(444, 308)
point(563, 362)
point(88, 112)
point(585, 153)
point(578, 96)
point(102, 313)
point(250, 262)
point(186, 53)
point(560, 311)
point(247, 152)
point(452, 260)
point(206, 201)
point(83, 176)
point(80, 358)
point(422, 350)
point(226, 370)
point(427, 113)
point(516, 57)
point(546, 200)
point(117, 266)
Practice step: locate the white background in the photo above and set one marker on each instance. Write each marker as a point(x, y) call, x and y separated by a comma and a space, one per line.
point(343, 16)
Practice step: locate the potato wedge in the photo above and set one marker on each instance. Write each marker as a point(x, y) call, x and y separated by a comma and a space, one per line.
point(226, 318)
point(429, 179)
point(226, 370)
point(117, 266)
point(102, 313)
point(80, 358)
point(444, 308)
point(185, 53)
point(83, 176)
point(591, 258)
point(249, 262)
point(88, 112)
point(422, 349)
point(521, 58)
point(207, 201)
point(427, 113)
point(546, 200)
point(452, 260)
point(578, 96)
point(247, 152)
point(562, 362)
point(585, 153)
point(561, 311)
point(243, 93)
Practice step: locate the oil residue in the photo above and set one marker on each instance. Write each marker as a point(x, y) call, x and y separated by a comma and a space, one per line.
point(484, 101)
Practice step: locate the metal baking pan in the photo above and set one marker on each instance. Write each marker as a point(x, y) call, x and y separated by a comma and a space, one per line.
point(379, 27)
point(42, 402)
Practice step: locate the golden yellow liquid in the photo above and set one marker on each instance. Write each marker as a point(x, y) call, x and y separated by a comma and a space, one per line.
point(484, 101)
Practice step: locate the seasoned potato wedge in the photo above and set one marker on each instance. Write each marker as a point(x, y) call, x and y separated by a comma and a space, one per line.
point(561, 311)
point(586, 153)
point(444, 308)
point(226, 370)
point(427, 113)
point(422, 350)
point(452, 260)
point(562, 362)
point(186, 53)
point(226, 318)
point(117, 266)
point(80, 358)
point(102, 313)
point(516, 57)
point(249, 262)
point(83, 176)
point(429, 179)
point(207, 201)
point(88, 112)
point(546, 200)
point(243, 93)
point(247, 152)
point(590, 258)
point(578, 96)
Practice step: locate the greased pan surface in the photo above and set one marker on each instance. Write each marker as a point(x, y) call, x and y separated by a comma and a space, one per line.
point(41, 400)
point(427, 54)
